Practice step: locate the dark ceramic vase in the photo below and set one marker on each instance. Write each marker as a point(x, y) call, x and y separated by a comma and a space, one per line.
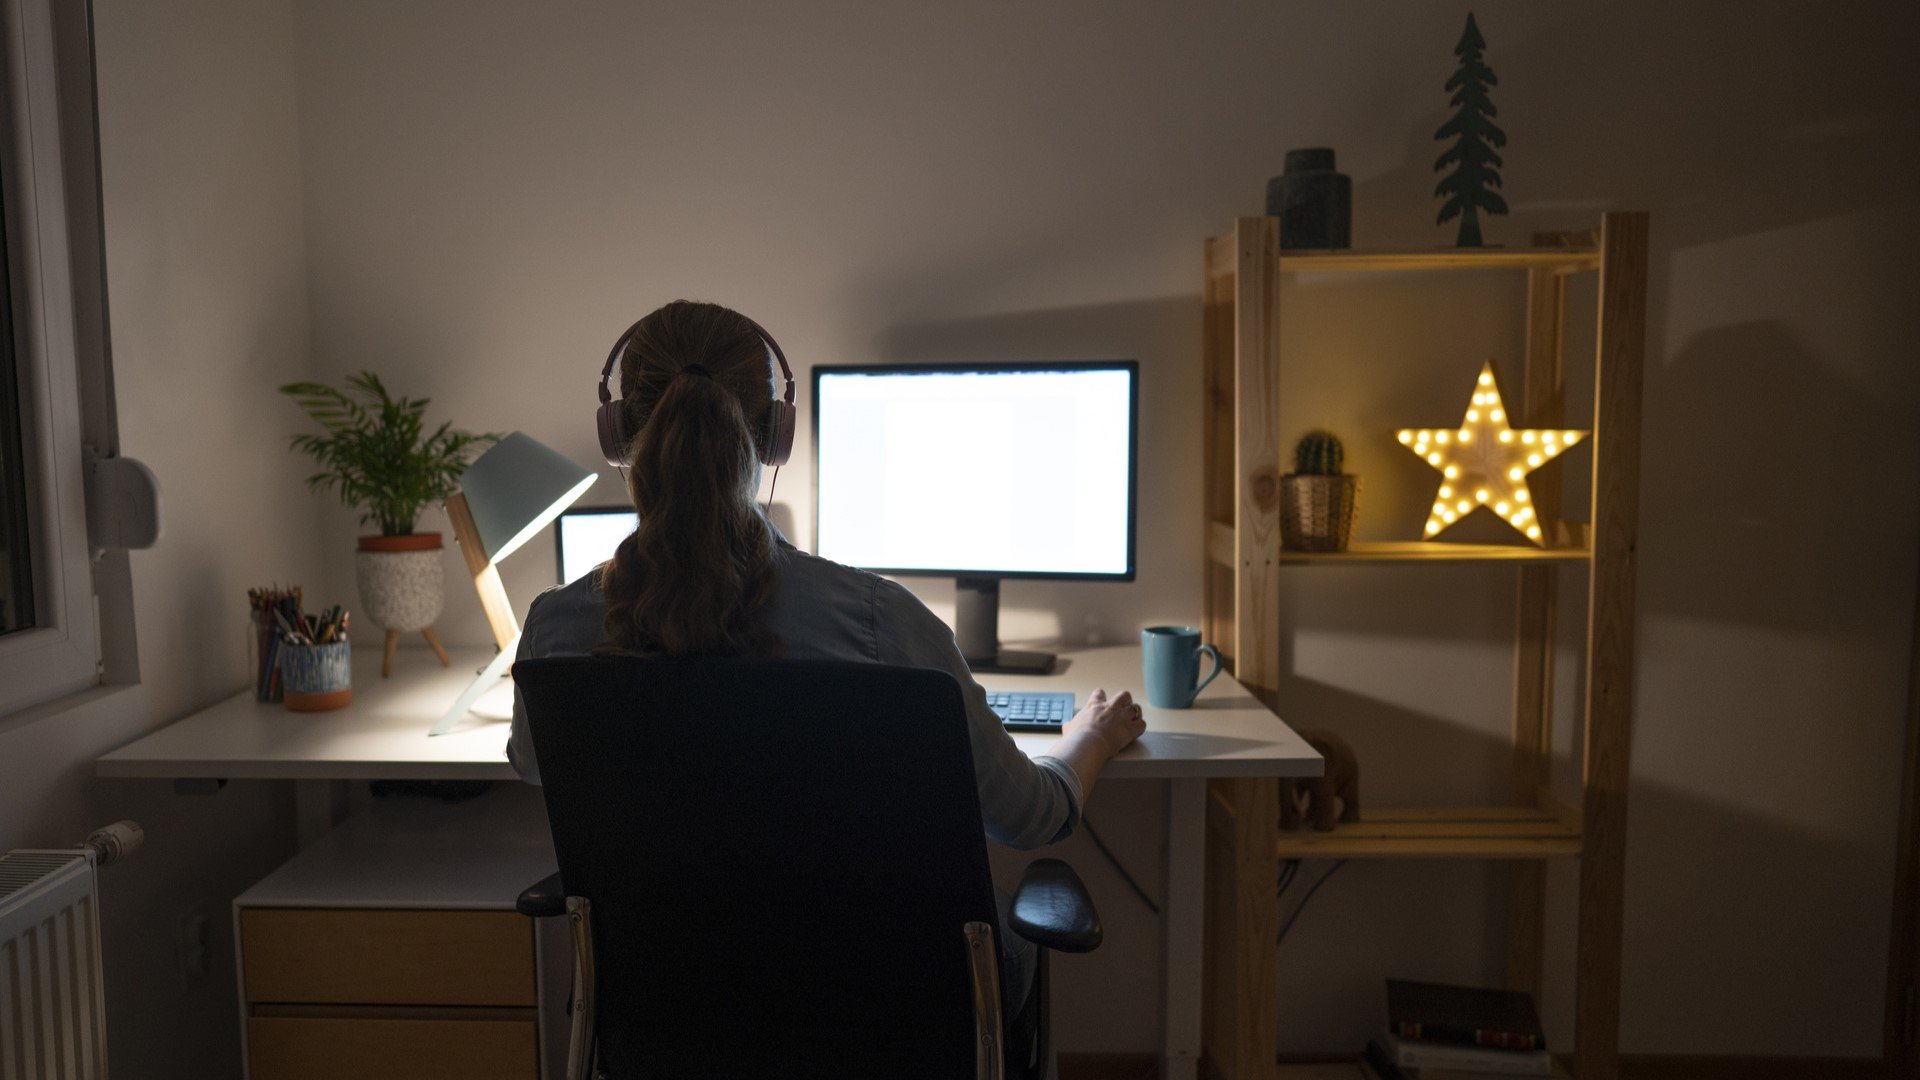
point(1313, 202)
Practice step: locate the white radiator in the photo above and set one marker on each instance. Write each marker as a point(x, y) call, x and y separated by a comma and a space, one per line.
point(52, 1001)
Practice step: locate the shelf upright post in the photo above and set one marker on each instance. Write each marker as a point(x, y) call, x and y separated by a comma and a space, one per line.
point(1256, 458)
point(1219, 492)
point(1241, 1003)
point(1610, 632)
point(1543, 405)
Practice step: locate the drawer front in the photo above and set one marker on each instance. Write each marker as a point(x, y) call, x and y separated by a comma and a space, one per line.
point(383, 957)
point(280, 1048)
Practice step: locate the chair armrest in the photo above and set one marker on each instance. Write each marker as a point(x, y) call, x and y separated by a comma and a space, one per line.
point(1051, 908)
point(543, 898)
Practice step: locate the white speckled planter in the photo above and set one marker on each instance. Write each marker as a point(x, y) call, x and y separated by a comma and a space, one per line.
point(401, 586)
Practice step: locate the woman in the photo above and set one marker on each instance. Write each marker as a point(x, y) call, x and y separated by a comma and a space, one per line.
point(706, 573)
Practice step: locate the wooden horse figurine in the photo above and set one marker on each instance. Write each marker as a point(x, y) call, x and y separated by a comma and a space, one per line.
point(1331, 797)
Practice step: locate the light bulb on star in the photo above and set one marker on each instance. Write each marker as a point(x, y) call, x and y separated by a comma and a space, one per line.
point(1487, 458)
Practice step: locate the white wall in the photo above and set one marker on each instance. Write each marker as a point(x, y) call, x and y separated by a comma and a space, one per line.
point(494, 190)
point(206, 275)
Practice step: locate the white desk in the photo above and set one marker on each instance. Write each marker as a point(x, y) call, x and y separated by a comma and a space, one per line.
point(383, 735)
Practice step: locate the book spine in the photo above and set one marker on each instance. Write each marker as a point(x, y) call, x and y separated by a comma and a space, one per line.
point(1489, 1037)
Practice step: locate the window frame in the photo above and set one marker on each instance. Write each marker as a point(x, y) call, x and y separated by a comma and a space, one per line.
point(60, 655)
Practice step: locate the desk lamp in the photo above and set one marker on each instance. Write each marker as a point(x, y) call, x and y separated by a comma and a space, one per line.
point(506, 496)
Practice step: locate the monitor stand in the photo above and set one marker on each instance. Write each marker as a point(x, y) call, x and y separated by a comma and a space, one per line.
point(977, 629)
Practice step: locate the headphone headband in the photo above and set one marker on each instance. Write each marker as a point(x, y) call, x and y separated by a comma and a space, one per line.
point(781, 414)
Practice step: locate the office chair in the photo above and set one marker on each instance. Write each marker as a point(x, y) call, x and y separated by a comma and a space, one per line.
point(776, 868)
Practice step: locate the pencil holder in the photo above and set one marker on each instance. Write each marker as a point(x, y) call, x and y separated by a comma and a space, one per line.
point(316, 678)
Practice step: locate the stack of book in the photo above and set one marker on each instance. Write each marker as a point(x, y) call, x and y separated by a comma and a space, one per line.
point(1440, 1032)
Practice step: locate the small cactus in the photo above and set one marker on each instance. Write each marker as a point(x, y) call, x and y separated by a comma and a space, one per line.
point(1318, 454)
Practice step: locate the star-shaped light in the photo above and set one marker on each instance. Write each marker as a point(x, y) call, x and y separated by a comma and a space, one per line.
point(1485, 462)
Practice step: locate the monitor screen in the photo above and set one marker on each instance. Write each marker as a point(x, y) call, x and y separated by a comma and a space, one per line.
point(586, 537)
point(987, 470)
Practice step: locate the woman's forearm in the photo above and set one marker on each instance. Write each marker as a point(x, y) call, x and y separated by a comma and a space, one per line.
point(1086, 753)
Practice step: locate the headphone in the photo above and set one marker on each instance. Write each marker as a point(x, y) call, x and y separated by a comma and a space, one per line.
point(611, 420)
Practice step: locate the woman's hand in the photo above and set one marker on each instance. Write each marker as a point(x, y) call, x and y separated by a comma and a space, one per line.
point(1116, 722)
point(1096, 733)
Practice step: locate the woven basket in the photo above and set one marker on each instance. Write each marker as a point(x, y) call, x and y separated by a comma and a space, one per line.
point(1316, 512)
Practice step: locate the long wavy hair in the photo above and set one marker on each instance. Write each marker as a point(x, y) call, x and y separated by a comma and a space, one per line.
point(695, 384)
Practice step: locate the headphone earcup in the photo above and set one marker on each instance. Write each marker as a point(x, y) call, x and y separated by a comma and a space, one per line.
point(611, 424)
point(781, 416)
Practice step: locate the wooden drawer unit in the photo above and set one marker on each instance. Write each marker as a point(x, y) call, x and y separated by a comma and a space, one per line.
point(387, 957)
point(389, 949)
point(334, 1048)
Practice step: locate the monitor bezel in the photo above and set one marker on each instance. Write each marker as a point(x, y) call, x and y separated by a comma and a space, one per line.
point(560, 548)
point(1131, 367)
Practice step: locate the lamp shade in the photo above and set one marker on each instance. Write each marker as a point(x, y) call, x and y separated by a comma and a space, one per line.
point(516, 488)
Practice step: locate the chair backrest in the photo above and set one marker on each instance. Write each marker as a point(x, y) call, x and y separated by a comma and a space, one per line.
point(780, 857)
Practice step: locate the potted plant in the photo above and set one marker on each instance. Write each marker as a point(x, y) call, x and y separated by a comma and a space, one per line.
point(375, 452)
point(1317, 499)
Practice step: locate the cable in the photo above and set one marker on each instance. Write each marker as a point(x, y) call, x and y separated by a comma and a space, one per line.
point(1295, 917)
point(1288, 872)
point(770, 487)
point(1112, 860)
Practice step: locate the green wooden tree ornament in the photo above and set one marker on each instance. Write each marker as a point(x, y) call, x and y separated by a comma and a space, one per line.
point(1476, 168)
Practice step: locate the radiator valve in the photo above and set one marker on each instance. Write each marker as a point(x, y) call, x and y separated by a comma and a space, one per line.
point(116, 841)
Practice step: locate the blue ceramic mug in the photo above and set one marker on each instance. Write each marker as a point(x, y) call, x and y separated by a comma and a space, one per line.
point(1170, 662)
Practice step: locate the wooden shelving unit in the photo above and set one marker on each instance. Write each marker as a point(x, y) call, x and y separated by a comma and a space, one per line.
point(1244, 564)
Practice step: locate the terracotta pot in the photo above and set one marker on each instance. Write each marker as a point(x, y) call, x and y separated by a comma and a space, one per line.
point(1316, 512)
point(401, 585)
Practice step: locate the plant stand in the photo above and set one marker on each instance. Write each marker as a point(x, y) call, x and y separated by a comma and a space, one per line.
point(393, 643)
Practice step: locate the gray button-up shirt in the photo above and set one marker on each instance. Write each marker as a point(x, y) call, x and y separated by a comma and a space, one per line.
point(825, 611)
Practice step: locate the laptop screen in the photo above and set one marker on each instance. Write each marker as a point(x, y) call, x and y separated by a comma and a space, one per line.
point(586, 537)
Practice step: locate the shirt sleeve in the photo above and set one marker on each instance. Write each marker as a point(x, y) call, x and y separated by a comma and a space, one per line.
point(1024, 802)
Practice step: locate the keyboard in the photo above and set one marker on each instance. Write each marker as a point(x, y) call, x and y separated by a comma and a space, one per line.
point(1031, 710)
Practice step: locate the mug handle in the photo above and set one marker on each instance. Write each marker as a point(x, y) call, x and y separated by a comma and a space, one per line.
point(1215, 653)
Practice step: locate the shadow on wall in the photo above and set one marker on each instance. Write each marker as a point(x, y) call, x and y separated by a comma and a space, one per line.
point(1756, 149)
point(1759, 468)
point(1164, 336)
point(1699, 846)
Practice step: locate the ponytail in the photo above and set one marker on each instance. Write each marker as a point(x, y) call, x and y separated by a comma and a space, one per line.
point(694, 577)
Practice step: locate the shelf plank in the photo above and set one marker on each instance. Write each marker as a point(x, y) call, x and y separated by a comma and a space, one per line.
point(1404, 814)
point(1332, 846)
point(1423, 551)
point(1416, 830)
point(1497, 832)
point(1566, 259)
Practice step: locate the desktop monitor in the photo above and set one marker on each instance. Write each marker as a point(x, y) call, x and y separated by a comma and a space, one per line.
point(585, 537)
point(978, 472)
